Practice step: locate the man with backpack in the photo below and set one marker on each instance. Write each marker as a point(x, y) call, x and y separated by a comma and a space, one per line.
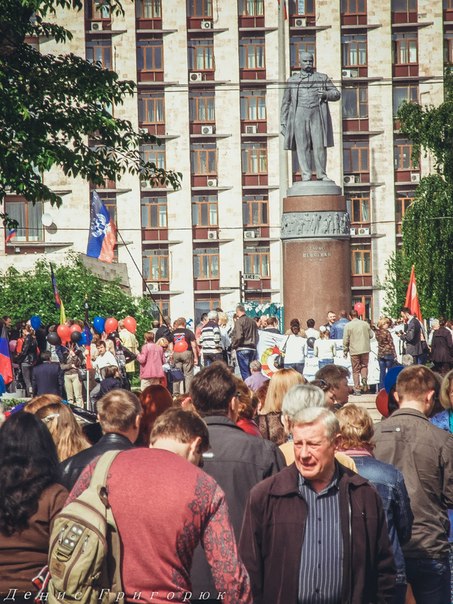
point(175, 507)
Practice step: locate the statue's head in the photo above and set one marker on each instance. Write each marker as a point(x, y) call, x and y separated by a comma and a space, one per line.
point(306, 61)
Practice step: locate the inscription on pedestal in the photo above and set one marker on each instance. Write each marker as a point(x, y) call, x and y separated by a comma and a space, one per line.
point(306, 225)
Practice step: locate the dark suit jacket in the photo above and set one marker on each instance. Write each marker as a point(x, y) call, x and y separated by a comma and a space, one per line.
point(47, 379)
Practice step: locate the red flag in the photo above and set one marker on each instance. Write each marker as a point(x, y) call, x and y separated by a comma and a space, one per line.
point(412, 301)
point(285, 11)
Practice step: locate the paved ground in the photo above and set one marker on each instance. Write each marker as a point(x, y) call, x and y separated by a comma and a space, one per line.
point(367, 401)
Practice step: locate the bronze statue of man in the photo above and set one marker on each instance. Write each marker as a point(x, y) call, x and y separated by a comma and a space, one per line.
point(305, 117)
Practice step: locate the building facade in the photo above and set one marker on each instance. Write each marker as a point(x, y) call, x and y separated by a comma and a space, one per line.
point(210, 78)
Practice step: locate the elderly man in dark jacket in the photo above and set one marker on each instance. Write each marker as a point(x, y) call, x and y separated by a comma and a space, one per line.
point(237, 460)
point(316, 532)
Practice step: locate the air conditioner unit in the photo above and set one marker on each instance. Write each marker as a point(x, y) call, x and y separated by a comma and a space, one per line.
point(196, 76)
point(363, 231)
point(212, 234)
point(249, 234)
point(349, 73)
point(96, 26)
point(251, 129)
point(154, 287)
point(353, 231)
point(211, 182)
point(300, 22)
point(349, 179)
point(207, 130)
point(206, 25)
point(415, 177)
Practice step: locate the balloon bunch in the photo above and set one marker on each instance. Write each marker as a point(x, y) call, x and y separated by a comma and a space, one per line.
point(77, 335)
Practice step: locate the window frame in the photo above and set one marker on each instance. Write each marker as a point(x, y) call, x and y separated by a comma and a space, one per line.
point(157, 212)
point(201, 48)
point(154, 153)
point(256, 44)
point(347, 8)
point(209, 257)
point(411, 88)
point(401, 42)
point(24, 231)
point(299, 44)
point(105, 45)
point(200, 167)
point(200, 8)
point(208, 204)
point(360, 103)
point(254, 153)
point(203, 99)
point(148, 59)
point(362, 252)
point(162, 264)
point(354, 44)
point(243, 8)
point(253, 102)
point(255, 258)
point(361, 148)
point(356, 203)
point(255, 204)
point(141, 13)
point(153, 99)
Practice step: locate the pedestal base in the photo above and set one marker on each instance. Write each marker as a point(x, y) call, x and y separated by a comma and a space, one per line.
point(316, 257)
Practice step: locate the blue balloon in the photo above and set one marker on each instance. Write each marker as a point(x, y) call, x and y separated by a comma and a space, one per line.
point(83, 339)
point(35, 322)
point(98, 324)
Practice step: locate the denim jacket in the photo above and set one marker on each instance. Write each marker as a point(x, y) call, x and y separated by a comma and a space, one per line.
point(389, 483)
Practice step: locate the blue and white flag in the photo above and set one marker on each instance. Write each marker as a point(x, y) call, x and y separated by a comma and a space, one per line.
point(102, 238)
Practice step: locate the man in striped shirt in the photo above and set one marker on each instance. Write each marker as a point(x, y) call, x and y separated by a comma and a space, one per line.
point(210, 340)
point(315, 533)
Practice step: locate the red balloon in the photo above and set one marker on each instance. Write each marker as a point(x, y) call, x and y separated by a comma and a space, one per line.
point(360, 308)
point(75, 327)
point(64, 332)
point(382, 402)
point(111, 324)
point(180, 346)
point(130, 324)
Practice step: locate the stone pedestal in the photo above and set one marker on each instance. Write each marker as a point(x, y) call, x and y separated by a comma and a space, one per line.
point(316, 252)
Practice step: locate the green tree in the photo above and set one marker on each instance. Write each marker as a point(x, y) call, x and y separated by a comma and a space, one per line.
point(397, 278)
point(23, 294)
point(428, 222)
point(54, 110)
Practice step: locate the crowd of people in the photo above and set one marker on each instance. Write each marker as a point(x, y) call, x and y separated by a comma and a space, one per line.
point(230, 485)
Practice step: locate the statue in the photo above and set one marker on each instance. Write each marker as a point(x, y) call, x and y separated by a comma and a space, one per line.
point(305, 117)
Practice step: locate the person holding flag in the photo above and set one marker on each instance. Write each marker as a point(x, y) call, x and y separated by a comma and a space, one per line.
point(6, 367)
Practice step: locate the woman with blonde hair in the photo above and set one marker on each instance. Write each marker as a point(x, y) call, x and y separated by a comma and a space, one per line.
point(269, 419)
point(62, 424)
point(324, 348)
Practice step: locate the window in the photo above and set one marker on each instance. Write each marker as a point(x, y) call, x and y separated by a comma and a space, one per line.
point(404, 6)
point(404, 48)
point(404, 93)
point(361, 261)
point(100, 10)
point(402, 202)
point(254, 158)
point(155, 264)
point(355, 157)
point(251, 53)
point(205, 210)
point(206, 263)
point(251, 8)
point(299, 44)
point(353, 7)
point(202, 107)
point(199, 8)
point(355, 102)
point(150, 54)
point(257, 261)
point(154, 154)
point(255, 211)
point(201, 54)
point(402, 155)
point(448, 4)
point(29, 218)
point(448, 47)
point(301, 7)
point(203, 305)
point(154, 212)
point(367, 302)
point(100, 51)
point(149, 9)
point(253, 105)
point(354, 50)
point(151, 108)
point(204, 158)
point(359, 208)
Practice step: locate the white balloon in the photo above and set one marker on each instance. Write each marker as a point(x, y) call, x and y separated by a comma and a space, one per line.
point(46, 220)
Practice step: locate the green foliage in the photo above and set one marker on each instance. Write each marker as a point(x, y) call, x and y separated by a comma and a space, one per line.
point(23, 294)
point(54, 111)
point(428, 222)
point(397, 278)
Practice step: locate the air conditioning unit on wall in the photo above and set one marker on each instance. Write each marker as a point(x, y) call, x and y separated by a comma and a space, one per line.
point(300, 22)
point(96, 26)
point(251, 129)
point(154, 287)
point(415, 177)
point(206, 25)
point(349, 179)
point(249, 234)
point(196, 76)
point(363, 231)
point(207, 130)
point(212, 234)
point(211, 182)
point(349, 73)
point(353, 231)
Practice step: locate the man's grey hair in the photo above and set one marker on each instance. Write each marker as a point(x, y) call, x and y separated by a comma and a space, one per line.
point(255, 366)
point(302, 396)
point(240, 308)
point(213, 315)
point(314, 415)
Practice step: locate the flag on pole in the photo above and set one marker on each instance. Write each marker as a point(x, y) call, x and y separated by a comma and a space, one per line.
point(102, 238)
point(58, 301)
point(11, 233)
point(285, 11)
point(6, 366)
point(412, 302)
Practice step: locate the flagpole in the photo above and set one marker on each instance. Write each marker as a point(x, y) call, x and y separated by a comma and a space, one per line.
point(142, 277)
